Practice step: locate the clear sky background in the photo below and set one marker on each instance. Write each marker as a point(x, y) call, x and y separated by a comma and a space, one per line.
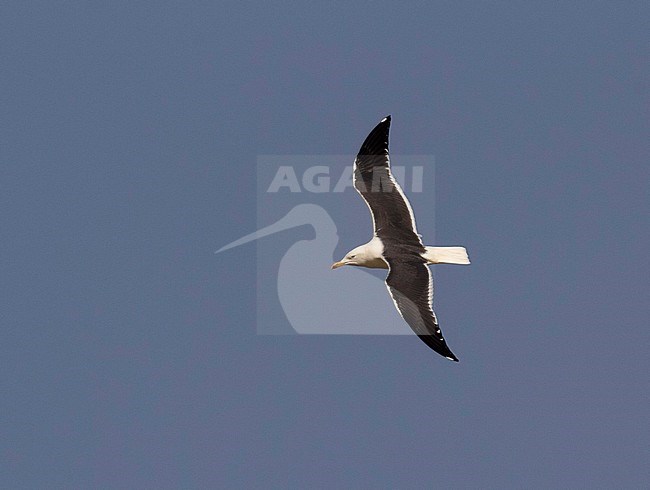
point(128, 141)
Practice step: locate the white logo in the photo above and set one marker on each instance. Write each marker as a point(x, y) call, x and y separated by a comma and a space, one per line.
point(296, 289)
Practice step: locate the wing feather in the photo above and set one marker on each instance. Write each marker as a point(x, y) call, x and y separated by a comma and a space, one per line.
point(390, 209)
point(410, 284)
point(409, 280)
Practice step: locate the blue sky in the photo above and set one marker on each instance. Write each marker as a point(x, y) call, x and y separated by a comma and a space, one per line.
point(129, 141)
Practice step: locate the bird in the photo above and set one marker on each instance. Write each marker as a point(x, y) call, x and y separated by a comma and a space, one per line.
point(396, 244)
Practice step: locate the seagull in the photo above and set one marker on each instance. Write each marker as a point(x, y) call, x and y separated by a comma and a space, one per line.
point(396, 244)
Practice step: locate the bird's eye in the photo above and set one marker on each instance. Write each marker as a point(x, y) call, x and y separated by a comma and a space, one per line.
point(352, 256)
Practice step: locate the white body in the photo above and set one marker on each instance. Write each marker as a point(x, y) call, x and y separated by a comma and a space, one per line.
point(371, 255)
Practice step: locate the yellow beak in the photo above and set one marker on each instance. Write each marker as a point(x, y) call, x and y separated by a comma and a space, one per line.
point(336, 265)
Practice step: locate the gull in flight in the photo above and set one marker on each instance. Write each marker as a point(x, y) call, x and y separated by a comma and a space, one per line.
point(396, 245)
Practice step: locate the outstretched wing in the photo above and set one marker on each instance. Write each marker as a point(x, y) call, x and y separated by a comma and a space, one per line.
point(391, 212)
point(410, 285)
point(409, 279)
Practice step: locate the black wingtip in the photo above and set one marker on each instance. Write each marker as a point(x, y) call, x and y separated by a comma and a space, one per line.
point(376, 143)
point(448, 355)
point(439, 347)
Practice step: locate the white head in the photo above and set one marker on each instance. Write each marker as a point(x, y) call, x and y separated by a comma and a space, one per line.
point(356, 256)
point(367, 255)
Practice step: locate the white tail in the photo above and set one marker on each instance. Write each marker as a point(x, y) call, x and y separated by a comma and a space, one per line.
point(446, 255)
